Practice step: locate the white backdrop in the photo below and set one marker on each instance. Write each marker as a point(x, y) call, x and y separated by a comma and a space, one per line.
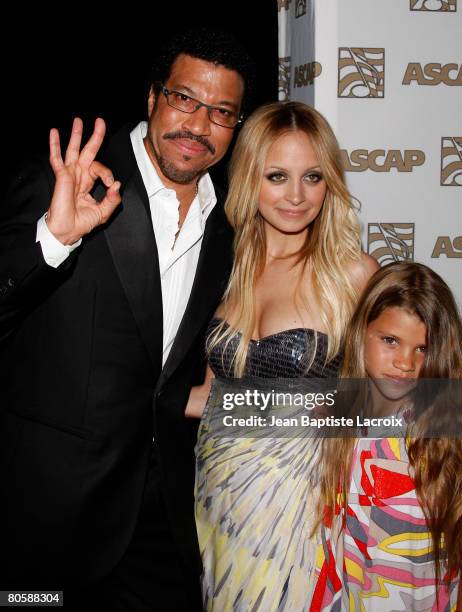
point(387, 74)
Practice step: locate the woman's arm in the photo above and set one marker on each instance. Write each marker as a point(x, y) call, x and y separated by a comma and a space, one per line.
point(198, 397)
point(362, 270)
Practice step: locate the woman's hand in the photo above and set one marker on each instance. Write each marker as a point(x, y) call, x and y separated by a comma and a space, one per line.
point(198, 397)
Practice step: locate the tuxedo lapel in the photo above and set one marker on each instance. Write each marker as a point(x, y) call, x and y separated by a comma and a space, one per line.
point(132, 244)
point(209, 284)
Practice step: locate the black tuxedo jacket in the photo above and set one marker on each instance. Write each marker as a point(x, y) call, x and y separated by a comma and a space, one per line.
point(83, 390)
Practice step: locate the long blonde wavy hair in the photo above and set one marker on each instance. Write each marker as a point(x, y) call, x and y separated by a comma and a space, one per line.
point(436, 463)
point(332, 243)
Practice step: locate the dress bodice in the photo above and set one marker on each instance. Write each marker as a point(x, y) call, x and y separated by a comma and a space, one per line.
point(291, 353)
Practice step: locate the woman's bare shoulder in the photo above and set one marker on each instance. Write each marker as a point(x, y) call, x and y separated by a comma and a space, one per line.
point(361, 270)
point(220, 311)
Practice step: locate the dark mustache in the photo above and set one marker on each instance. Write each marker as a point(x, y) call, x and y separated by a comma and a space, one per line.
point(200, 139)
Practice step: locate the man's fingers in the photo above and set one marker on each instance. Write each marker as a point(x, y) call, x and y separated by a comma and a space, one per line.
point(98, 171)
point(73, 147)
point(110, 201)
point(89, 151)
point(95, 171)
point(56, 161)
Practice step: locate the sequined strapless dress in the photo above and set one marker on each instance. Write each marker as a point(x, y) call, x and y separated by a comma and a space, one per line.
point(256, 497)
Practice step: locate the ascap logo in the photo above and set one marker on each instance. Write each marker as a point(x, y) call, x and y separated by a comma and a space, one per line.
point(283, 5)
point(284, 78)
point(380, 160)
point(389, 242)
point(300, 8)
point(361, 72)
point(451, 161)
point(433, 5)
point(433, 74)
point(306, 73)
point(445, 246)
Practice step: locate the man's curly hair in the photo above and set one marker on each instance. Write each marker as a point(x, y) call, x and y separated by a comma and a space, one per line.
point(211, 45)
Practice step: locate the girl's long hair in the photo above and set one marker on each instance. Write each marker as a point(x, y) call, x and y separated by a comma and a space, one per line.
point(436, 463)
point(333, 240)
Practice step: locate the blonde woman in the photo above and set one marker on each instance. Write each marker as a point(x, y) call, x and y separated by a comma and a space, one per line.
point(298, 272)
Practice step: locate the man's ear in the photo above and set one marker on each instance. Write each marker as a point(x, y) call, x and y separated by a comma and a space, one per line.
point(151, 100)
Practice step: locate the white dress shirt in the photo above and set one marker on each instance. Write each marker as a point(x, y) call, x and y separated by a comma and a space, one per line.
point(177, 259)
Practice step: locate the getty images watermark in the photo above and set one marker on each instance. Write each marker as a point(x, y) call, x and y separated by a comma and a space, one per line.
point(252, 398)
point(329, 408)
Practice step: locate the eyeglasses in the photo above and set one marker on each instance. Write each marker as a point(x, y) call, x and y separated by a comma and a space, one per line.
point(217, 114)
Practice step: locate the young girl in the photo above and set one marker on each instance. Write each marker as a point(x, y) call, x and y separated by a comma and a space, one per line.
point(392, 528)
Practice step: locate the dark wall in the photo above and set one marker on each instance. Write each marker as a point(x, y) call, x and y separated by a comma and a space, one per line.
point(87, 64)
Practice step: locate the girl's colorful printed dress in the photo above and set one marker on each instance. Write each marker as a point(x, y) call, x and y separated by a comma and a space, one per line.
point(382, 559)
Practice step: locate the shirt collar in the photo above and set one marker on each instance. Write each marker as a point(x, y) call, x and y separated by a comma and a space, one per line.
point(152, 181)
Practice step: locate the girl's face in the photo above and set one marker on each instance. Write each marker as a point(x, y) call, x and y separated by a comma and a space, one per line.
point(394, 351)
point(293, 187)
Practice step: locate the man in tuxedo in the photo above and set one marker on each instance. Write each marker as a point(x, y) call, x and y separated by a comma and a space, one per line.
point(109, 273)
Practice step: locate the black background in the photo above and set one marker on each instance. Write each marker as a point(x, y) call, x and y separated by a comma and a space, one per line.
point(88, 62)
